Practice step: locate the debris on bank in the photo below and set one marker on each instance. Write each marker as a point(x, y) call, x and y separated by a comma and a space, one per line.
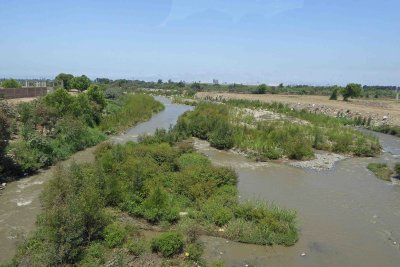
point(323, 161)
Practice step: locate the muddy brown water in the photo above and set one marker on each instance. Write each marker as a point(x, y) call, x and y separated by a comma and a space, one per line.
point(347, 217)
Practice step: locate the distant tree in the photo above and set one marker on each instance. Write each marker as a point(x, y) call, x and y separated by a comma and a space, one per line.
point(81, 83)
point(196, 86)
point(352, 90)
point(11, 83)
point(280, 85)
point(159, 81)
point(103, 80)
point(65, 80)
point(181, 84)
point(334, 94)
point(261, 89)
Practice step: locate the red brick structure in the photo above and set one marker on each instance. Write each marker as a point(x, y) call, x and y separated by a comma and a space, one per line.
point(23, 92)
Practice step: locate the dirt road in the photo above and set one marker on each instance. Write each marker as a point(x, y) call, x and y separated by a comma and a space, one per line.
point(381, 111)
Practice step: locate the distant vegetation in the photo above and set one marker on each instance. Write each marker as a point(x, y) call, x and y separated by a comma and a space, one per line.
point(127, 111)
point(53, 127)
point(95, 213)
point(11, 83)
point(381, 170)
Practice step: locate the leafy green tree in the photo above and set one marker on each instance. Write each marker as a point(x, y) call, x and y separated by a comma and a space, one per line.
point(261, 89)
point(81, 83)
point(96, 95)
point(60, 101)
point(11, 83)
point(65, 80)
point(352, 90)
point(334, 95)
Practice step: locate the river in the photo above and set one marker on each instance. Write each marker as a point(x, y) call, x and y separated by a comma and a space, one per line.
point(347, 217)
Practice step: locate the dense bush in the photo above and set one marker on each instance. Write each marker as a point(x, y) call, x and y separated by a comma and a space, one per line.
point(168, 244)
point(10, 83)
point(381, 170)
point(397, 169)
point(130, 110)
point(154, 182)
point(114, 235)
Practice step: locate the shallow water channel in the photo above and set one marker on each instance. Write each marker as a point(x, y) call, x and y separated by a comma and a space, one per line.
point(346, 215)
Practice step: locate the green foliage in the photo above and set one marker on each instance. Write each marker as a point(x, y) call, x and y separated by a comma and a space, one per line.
point(352, 90)
point(195, 251)
point(81, 83)
point(131, 110)
point(334, 95)
point(397, 169)
point(153, 181)
point(381, 170)
point(168, 244)
point(222, 136)
point(136, 247)
point(114, 235)
point(5, 133)
point(11, 83)
point(388, 129)
point(94, 255)
point(159, 206)
point(261, 89)
point(64, 80)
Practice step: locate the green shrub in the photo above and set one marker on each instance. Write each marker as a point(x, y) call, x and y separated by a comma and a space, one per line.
point(136, 247)
point(221, 137)
point(159, 206)
point(195, 251)
point(168, 244)
point(397, 169)
point(95, 255)
point(381, 170)
point(192, 159)
point(114, 235)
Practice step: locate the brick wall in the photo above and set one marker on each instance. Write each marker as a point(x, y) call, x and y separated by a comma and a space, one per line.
point(23, 92)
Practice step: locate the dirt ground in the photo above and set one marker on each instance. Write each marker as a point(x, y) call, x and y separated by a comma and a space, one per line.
point(16, 101)
point(380, 110)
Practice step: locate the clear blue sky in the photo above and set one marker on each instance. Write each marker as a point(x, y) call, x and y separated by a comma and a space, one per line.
point(272, 41)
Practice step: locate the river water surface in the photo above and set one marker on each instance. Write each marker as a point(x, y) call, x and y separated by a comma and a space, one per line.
point(347, 217)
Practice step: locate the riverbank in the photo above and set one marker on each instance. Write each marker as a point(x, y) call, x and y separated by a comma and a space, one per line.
point(20, 205)
point(381, 111)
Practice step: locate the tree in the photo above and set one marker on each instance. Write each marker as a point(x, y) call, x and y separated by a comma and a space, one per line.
point(334, 94)
point(81, 83)
point(352, 90)
point(11, 83)
point(65, 80)
point(261, 89)
point(159, 81)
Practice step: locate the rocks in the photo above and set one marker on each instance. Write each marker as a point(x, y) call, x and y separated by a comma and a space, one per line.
point(323, 161)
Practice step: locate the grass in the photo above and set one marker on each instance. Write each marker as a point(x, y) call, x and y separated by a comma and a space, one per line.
point(381, 170)
point(128, 111)
point(294, 136)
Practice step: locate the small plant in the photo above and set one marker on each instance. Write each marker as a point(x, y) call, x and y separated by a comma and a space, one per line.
point(168, 244)
point(136, 247)
point(397, 169)
point(114, 235)
point(381, 170)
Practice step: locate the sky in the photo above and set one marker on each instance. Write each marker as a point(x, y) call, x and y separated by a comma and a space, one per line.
point(319, 42)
